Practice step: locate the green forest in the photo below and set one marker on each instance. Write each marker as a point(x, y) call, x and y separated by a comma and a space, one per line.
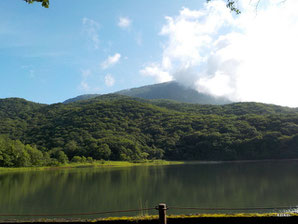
point(114, 127)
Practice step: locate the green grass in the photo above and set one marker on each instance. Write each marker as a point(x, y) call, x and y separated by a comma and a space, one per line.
point(173, 218)
point(92, 164)
point(136, 219)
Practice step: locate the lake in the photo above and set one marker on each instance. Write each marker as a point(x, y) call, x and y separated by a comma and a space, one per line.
point(80, 190)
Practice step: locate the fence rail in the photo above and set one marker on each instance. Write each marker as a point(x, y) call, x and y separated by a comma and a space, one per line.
point(162, 208)
point(80, 214)
point(235, 209)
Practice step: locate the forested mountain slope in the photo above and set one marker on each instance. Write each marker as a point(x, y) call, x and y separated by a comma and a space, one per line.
point(232, 108)
point(123, 128)
point(173, 91)
point(167, 90)
point(81, 97)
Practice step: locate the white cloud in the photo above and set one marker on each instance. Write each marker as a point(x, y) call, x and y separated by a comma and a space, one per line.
point(84, 86)
point(139, 38)
point(110, 61)
point(32, 73)
point(155, 71)
point(86, 73)
point(249, 57)
point(109, 80)
point(30, 69)
point(124, 22)
point(87, 77)
point(91, 28)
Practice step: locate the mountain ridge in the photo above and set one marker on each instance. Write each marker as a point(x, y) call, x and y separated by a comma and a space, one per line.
point(167, 90)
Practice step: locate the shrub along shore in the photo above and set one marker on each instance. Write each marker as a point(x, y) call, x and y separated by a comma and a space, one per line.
point(93, 164)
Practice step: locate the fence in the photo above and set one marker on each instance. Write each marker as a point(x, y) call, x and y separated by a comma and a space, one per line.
point(162, 209)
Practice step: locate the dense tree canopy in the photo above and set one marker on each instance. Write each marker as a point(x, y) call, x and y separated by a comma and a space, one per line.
point(113, 127)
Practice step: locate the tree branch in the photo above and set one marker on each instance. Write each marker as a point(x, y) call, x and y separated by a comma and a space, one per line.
point(44, 3)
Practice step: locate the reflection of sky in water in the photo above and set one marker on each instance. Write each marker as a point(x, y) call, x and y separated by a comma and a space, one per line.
point(225, 185)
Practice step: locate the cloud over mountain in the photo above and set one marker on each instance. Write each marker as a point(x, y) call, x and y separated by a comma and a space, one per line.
point(246, 57)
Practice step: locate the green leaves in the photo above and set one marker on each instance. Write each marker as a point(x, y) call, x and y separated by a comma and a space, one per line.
point(232, 7)
point(14, 153)
point(44, 3)
point(231, 4)
point(114, 127)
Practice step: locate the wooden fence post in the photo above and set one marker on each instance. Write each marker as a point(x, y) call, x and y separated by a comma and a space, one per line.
point(162, 208)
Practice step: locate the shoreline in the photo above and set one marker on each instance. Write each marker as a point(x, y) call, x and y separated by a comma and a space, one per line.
point(95, 164)
point(111, 164)
point(235, 161)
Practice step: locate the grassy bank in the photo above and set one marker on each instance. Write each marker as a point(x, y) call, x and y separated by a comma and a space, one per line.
point(92, 164)
point(180, 219)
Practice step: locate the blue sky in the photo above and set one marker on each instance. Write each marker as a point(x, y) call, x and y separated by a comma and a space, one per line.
point(101, 46)
point(49, 55)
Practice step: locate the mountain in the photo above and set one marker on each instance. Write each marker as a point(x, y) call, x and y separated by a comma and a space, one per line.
point(15, 107)
point(81, 97)
point(168, 90)
point(173, 91)
point(116, 127)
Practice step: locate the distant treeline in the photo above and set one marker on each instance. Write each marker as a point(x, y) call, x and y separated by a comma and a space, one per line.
point(113, 127)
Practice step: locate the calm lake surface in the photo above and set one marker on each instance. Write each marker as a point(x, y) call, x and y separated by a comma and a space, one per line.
point(233, 185)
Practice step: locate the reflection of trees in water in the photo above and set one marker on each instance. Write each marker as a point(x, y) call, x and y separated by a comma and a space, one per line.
point(102, 189)
point(239, 185)
point(16, 187)
point(75, 189)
